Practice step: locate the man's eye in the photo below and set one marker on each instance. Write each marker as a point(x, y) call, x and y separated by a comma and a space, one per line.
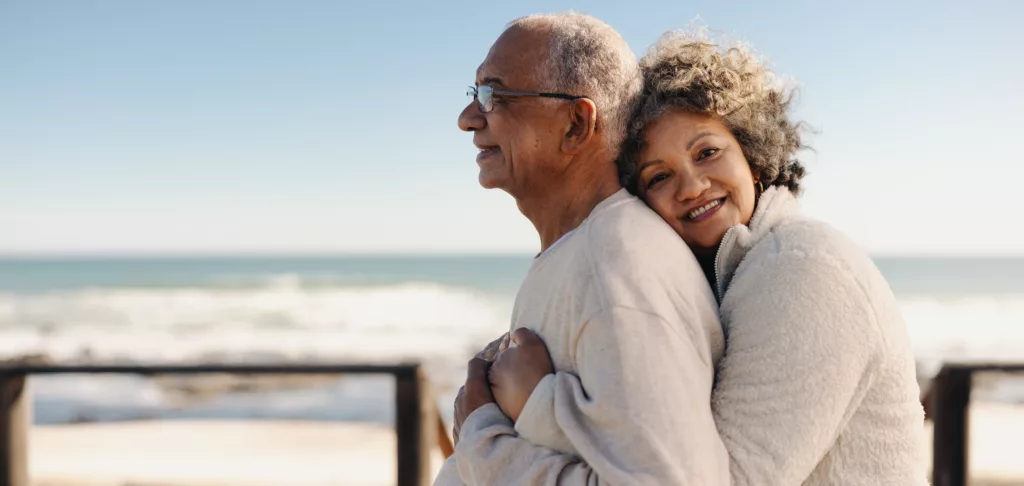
point(707, 153)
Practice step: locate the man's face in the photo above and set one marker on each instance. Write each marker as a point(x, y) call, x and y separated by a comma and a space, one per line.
point(520, 139)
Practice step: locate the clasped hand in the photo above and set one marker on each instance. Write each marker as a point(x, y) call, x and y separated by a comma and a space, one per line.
point(503, 374)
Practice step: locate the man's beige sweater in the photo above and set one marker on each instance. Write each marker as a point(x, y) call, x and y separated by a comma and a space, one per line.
point(632, 327)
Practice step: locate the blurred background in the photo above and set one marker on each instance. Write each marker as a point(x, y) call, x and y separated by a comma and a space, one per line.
point(284, 182)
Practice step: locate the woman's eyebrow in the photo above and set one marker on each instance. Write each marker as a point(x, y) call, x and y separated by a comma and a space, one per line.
point(648, 164)
point(697, 138)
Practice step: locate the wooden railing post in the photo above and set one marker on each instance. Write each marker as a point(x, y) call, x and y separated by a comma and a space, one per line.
point(415, 427)
point(950, 397)
point(15, 421)
point(444, 441)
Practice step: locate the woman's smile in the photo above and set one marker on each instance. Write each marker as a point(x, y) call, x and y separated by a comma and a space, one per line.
point(704, 211)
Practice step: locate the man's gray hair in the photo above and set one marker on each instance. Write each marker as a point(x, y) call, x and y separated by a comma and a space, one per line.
point(589, 58)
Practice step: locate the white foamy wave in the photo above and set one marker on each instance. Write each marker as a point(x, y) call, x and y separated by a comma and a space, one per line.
point(285, 320)
point(968, 328)
point(280, 321)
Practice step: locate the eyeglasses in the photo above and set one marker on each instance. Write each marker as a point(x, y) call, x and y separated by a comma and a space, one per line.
point(484, 96)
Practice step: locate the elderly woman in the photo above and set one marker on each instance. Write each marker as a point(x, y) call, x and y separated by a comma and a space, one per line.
point(817, 385)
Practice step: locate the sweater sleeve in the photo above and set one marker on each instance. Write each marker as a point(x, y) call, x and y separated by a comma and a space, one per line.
point(802, 344)
point(449, 474)
point(639, 413)
point(537, 422)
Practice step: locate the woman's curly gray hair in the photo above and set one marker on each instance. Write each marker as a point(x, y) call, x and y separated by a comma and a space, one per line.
point(688, 72)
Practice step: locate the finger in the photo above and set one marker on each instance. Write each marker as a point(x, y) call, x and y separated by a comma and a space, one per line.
point(505, 341)
point(485, 353)
point(478, 390)
point(477, 369)
point(525, 337)
point(476, 377)
point(500, 358)
point(492, 348)
point(499, 363)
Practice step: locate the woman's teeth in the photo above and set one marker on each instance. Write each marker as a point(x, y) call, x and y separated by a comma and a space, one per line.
point(703, 209)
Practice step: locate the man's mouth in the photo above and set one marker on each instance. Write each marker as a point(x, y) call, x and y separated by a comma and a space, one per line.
point(705, 211)
point(486, 152)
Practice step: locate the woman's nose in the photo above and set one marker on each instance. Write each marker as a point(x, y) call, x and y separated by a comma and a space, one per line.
point(471, 119)
point(691, 187)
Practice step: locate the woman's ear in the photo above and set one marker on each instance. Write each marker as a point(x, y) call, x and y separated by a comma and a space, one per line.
point(582, 125)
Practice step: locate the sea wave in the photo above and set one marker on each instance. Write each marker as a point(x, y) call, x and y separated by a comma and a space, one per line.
point(972, 328)
point(285, 320)
point(281, 320)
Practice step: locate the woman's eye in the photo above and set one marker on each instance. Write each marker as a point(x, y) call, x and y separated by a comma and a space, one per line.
point(708, 152)
point(656, 179)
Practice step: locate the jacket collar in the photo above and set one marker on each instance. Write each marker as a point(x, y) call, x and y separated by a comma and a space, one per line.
point(775, 205)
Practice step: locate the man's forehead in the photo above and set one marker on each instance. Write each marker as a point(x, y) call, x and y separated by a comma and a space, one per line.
point(514, 58)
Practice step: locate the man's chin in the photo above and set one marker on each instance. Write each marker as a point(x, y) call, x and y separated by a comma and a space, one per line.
point(490, 180)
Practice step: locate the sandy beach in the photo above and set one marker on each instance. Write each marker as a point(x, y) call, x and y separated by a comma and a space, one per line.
point(265, 453)
point(209, 453)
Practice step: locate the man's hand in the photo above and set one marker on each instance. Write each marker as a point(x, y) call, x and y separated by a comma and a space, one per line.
point(517, 371)
point(492, 349)
point(474, 394)
point(488, 353)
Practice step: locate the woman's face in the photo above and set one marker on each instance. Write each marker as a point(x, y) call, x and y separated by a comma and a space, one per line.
point(693, 173)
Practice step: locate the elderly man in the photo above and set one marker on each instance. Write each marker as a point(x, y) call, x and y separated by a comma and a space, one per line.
point(626, 313)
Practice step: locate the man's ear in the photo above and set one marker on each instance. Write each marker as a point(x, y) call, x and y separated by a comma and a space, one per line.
point(582, 125)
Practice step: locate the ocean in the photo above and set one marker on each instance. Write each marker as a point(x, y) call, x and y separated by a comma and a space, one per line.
point(438, 310)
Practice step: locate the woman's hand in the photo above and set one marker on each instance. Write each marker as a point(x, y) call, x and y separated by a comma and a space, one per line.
point(517, 370)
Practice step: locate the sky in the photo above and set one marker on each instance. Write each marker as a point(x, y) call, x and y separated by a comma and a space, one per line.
point(237, 127)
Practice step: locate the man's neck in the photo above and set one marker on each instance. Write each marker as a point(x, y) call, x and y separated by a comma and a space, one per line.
point(557, 212)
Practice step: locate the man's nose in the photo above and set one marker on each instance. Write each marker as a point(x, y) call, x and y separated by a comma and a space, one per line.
point(471, 119)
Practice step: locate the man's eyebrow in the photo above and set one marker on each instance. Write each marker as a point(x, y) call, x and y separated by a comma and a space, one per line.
point(698, 137)
point(493, 80)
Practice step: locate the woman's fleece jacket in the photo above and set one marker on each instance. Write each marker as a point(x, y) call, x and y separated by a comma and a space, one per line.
point(818, 384)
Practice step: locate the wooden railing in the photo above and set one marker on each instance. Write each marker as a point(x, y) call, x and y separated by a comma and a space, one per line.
point(419, 428)
point(949, 403)
point(417, 424)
